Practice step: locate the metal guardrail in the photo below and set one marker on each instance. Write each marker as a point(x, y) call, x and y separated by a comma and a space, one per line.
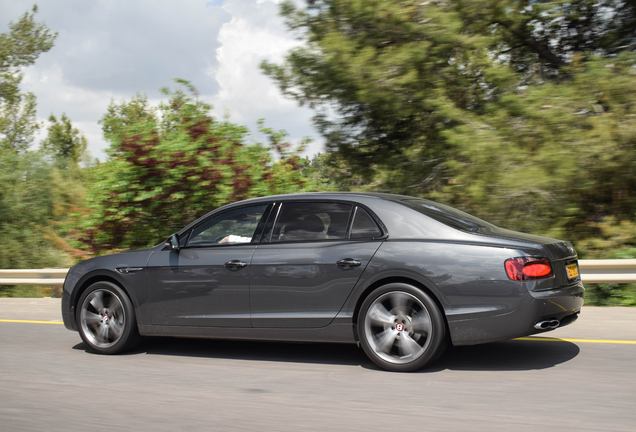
point(43, 277)
point(608, 271)
point(592, 271)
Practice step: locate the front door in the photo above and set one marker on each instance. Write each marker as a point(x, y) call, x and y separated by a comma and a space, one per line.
point(206, 283)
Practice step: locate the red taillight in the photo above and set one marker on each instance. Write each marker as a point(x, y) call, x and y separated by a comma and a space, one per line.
point(528, 268)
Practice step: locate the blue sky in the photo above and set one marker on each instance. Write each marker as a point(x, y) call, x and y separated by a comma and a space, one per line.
point(111, 49)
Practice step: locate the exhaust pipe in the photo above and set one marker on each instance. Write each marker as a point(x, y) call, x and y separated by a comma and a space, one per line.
point(554, 324)
point(547, 324)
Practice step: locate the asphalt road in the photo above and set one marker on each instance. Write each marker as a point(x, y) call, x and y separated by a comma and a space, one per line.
point(48, 382)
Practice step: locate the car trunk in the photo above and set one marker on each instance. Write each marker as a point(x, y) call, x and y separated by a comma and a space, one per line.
point(561, 255)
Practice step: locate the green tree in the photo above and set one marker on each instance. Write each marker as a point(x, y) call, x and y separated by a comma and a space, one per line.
point(66, 144)
point(523, 113)
point(397, 75)
point(503, 108)
point(20, 47)
point(329, 173)
point(27, 207)
point(170, 165)
point(29, 201)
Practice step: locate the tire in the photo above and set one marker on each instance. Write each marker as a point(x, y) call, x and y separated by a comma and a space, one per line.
point(401, 328)
point(106, 319)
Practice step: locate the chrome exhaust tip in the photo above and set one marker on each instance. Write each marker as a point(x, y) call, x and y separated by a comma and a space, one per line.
point(547, 324)
point(554, 324)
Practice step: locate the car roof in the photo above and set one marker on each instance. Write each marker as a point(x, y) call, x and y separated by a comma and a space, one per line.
point(328, 195)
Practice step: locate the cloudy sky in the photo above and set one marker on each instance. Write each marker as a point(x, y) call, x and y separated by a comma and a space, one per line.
point(111, 49)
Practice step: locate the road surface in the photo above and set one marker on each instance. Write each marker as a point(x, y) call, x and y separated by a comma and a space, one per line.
point(584, 381)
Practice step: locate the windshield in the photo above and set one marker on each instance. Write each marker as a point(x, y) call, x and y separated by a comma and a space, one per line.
point(448, 216)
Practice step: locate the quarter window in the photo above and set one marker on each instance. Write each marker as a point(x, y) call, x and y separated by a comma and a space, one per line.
point(364, 226)
point(312, 221)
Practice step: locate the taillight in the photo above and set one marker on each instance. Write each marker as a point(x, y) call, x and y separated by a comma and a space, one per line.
point(528, 268)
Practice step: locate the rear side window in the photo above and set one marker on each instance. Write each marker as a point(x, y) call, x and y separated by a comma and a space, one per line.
point(448, 215)
point(309, 221)
point(364, 226)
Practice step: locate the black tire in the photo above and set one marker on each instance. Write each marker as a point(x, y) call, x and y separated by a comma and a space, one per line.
point(401, 328)
point(106, 319)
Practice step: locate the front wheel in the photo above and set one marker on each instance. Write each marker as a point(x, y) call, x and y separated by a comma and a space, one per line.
point(401, 328)
point(106, 319)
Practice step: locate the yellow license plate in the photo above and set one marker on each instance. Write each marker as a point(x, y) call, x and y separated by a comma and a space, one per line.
point(573, 270)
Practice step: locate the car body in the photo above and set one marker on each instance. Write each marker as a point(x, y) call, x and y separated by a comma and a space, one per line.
point(401, 276)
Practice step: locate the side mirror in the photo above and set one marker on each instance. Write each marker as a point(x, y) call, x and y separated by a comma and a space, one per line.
point(173, 242)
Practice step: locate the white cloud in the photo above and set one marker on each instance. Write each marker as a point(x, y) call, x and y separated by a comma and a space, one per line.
point(255, 33)
point(112, 49)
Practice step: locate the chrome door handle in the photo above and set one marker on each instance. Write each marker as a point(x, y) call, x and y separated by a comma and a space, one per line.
point(235, 264)
point(348, 263)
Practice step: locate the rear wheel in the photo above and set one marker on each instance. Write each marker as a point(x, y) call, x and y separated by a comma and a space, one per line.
point(106, 319)
point(401, 328)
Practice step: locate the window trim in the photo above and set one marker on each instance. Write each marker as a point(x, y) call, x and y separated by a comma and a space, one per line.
point(271, 222)
point(370, 214)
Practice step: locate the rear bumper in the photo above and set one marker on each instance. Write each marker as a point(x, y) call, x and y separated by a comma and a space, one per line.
point(562, 304)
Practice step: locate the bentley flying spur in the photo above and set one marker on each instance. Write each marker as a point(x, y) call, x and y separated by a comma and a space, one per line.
point(402, 277)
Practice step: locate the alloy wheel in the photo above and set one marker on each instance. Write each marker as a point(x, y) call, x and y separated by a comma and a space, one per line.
point(102, 318)
point(398, 327)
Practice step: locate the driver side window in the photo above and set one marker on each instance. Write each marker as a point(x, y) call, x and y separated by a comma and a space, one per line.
point(231, 227)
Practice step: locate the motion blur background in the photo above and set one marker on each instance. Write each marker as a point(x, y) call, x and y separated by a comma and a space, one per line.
point(120, 122)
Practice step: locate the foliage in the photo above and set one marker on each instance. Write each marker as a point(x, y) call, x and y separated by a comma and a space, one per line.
point(28, 196)
point(66, 144)
point(27, 212)
point(617, 240)
point(563, 152)
point(25, 291)
point(610, 294)
point(171, 165)
point(20, 47)
point(522, 113)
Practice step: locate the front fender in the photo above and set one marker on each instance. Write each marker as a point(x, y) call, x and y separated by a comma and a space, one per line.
point(84, 274)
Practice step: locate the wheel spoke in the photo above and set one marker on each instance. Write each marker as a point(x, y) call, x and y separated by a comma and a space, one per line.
point(421, 323)
point(92, 318)
point(114, 306)
point(380, 316)
point(116, 329)
point(408, 346)
point(400, 302)
point(386, 339)
point(97, 301)
point(102, 333)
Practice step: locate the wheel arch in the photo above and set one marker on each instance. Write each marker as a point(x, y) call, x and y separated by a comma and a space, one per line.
point(89, 280)
point(395, 279)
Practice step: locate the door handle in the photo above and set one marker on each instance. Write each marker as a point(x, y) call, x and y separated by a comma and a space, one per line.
point(235, 264)
point(348, 263)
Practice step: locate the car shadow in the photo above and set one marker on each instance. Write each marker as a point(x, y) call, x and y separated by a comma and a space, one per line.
point(324, 353)
point(513, 355)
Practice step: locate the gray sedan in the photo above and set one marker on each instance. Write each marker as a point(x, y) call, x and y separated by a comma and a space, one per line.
point(400, 276)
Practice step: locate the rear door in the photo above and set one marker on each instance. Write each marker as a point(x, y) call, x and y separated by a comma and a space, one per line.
point(308, 263)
